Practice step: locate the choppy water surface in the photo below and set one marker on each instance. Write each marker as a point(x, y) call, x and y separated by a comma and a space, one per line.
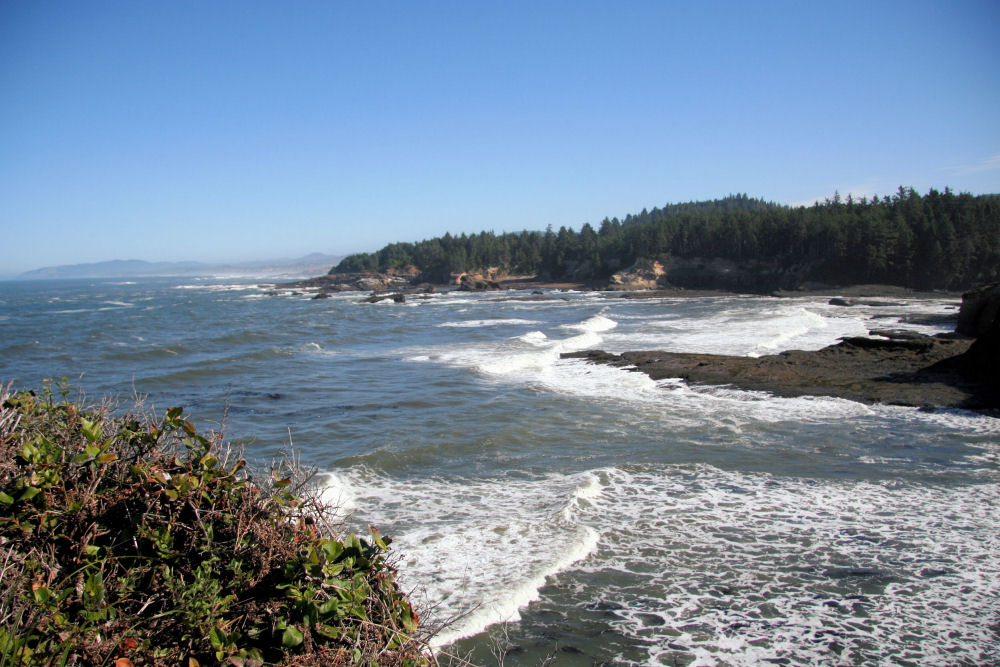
point(603, 517)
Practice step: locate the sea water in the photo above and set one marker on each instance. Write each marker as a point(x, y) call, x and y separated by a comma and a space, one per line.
point(547, 508)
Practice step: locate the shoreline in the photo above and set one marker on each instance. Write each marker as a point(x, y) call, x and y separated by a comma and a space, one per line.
point(927, 372)
point(389, 284)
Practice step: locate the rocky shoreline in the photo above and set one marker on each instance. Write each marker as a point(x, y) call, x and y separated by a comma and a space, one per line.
point(910, 372)
point(960, 370)
point(410, 282)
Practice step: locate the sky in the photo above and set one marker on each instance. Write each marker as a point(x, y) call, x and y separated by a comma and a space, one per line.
point(244, 130)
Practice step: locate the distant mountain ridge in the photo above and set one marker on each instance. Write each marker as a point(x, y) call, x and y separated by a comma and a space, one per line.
point(312, 264)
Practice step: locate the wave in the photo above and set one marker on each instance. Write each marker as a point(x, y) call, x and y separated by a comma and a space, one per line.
point(737, 569)
point(221, 287)
point(793, 326)
point(595, 324)
point(743, 329)
point(486, 323)
point(457, 538)
point(694, 562)
point(112, 305)
point(520, 358)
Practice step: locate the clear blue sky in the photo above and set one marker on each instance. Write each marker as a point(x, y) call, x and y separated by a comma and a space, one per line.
point(249, 130)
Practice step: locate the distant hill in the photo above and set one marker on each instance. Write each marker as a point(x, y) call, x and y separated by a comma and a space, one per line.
point(310, 265)
point(941, 240)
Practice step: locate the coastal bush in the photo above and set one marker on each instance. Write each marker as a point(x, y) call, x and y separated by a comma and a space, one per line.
point(130, 540)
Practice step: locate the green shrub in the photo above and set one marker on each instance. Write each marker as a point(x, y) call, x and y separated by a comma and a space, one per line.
point(131, 541)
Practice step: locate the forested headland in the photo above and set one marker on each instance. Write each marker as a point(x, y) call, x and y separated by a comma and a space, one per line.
point(941, 240)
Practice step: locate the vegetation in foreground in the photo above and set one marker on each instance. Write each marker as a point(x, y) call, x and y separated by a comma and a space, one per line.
point(131, 541)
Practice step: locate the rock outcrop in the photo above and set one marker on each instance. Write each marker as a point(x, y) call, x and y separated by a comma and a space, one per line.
point(355, 282)
point(899, 368)
point(476, 282)
point(983, 358)
point(395, 297)
point(912, 369)
point(707, 273)
point(980, 308)
point(984, 355)
point(644, 274)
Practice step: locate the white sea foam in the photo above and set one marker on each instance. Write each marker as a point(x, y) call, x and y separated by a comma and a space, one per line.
point(520, 358)
point(743, 568)
point(116, 305)
point(220, 287)
point(696, 563)
point(797, 325)
point(534, 359)
point(595, 324)
point(487, 323)
point(534, 338)
point(962, 421)
point(748, 328)
point(478, 550)
point(336, 494)
point(317, 349)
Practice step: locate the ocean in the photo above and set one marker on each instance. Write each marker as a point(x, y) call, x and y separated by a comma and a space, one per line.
point(578, 514)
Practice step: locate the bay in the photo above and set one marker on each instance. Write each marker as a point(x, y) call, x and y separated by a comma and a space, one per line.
point(553, 508)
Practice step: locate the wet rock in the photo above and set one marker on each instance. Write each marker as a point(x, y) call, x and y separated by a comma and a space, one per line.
point(396, 297)
point(979, 310)
point(983, 357)
point(571, 649)
point(920, 372)
point(475, 282)
point(355, 282)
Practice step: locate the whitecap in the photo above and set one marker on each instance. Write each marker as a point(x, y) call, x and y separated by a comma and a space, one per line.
point(596, 323)
point(455, 538)
point(486, 323)
point(749, 567)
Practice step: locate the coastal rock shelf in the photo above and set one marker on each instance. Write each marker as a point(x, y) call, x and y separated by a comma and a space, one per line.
point(910, 370)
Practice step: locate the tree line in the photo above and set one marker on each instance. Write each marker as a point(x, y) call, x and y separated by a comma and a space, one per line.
point(941, 240)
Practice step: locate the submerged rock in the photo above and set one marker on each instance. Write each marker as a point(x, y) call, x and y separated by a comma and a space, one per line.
point(396, 297)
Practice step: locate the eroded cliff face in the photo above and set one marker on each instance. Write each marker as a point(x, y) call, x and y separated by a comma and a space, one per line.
point(644, 274)
point(710, 273)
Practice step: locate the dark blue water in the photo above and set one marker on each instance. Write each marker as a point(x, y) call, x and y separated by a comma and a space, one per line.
point(570, 510)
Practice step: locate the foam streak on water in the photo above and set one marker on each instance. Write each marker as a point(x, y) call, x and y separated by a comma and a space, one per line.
point(704, 565)
point(737, 569)
point(471, 549)
point(607, 518)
